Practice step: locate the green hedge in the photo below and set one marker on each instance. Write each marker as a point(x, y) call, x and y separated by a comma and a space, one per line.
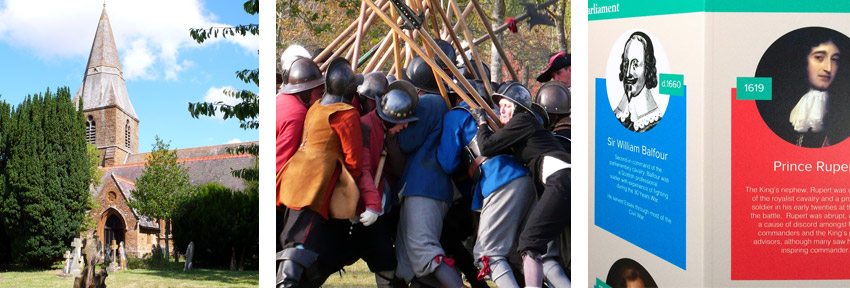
point(219, 221)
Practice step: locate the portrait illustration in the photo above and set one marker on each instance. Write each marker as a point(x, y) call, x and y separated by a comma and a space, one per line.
point(632, 81)
point(810, 87)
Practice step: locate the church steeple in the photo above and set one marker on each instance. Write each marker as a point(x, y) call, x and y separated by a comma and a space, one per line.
point(111, 121)
point(103, 85)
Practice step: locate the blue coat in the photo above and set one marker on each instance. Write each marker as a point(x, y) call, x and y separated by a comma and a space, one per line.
point(458, 130)
point(422, 174)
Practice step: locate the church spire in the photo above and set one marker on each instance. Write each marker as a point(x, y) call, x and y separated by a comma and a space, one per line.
point(103, 84)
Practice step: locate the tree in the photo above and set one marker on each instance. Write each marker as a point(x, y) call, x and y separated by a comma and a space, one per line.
point(248, 109)
point(163, 185)
point(562, 24)
point(497, 12)
point(45, 175)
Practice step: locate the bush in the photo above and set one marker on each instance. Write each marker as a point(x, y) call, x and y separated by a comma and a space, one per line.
point(134, 262)
point(219, 221)
point(155, 260)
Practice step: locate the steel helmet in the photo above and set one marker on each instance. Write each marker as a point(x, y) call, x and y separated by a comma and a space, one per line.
point(289, 55)
point(399, 103)
point(555, 97)
point(340, 80)
point(374, 85)
point(419, 74)
point(448, 50)
point(516, 93)
point(302, 75)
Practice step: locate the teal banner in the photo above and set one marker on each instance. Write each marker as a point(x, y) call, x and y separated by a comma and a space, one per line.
point(615, 9)
point(671, 84)
point(754, 88)
point(773, 6)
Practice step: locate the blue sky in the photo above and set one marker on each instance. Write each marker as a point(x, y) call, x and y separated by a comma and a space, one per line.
point(46, 44)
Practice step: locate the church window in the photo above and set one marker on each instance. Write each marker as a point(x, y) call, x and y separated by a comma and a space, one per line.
point(127, 134)
point(90, 130)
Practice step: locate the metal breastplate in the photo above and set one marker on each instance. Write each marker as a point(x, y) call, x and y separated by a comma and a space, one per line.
point(471, 159)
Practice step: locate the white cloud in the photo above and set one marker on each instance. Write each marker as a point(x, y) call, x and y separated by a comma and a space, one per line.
point(216, 94)
point(234, 140)
point(138, 61)
point(150, 35)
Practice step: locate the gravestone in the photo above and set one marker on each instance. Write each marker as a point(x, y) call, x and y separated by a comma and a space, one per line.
point(88, 278)
point(76, 258)
point(122, 255)
point(190, 252)
point(113, 265)
point(66, 269)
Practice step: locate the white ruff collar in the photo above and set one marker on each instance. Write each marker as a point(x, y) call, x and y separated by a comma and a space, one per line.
point(641, 110)
point(808, 115)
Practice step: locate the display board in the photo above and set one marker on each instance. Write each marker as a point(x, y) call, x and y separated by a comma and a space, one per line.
point(743, 180)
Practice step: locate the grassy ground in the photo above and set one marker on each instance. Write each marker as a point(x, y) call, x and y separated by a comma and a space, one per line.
point(355, 276)
point(146, 278)
point(358, 276)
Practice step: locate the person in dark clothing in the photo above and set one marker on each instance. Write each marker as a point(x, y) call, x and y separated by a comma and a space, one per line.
point(543, 155)
point(555, 99)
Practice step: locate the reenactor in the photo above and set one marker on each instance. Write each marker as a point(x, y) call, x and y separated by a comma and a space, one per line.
point(318, 185)
point(426, 190)
point(535, 147)
point(555, 98)
point(304, 84)
point(502, 189)
point(559, 69)
point(302, 81)
point(370, 237)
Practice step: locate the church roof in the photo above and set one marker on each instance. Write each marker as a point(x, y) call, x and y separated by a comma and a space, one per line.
point(206, 164)
point(103, 85)
point(194, 152)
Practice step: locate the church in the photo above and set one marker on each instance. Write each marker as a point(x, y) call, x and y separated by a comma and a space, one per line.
point(113, 126)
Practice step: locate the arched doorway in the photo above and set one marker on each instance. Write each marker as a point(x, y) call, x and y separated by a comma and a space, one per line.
point(113, 229)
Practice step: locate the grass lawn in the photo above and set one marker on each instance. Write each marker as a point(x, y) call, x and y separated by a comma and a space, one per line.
point(357, 276)
point(146, 278)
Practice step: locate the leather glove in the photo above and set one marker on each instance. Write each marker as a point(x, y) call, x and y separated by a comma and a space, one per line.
point(368, 217)
point(480, 116)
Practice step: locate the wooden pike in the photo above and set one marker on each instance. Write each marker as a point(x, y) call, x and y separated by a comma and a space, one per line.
point(453, 36)
point(430, 42)
point(345, 33)
point(430, 53)
point(359, 36)
point(396, 49)
point(495, 41)
point(381, 62)
point(465, 14)
point(380, 171)
point(345, 46)
point(478, 64)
